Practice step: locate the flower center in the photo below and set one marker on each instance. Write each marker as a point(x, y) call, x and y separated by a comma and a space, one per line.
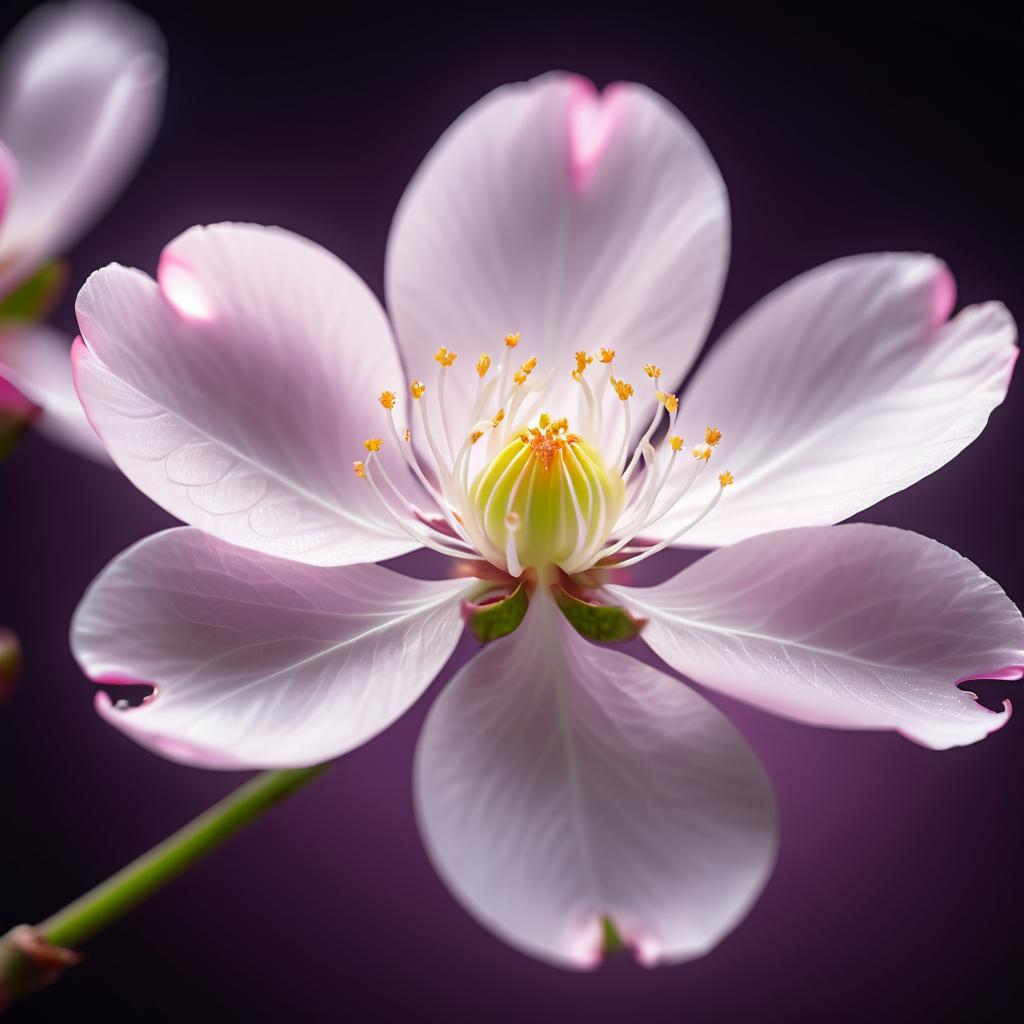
point(541, 495)
point(547, 498)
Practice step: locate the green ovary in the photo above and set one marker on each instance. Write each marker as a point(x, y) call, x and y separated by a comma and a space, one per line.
point(553, 494)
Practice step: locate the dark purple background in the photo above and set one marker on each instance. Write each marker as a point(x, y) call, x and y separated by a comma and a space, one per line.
point(897, 895)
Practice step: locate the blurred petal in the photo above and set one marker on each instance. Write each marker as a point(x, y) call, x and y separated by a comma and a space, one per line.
point(575, 218)
point(857, 627)
point(842, 387)
point(560, 784)
point(37, 361)
point(81, 94)
point(8, 175)
point(237, 393)
point(10, 662)
point(16, 413)
point(257, 661)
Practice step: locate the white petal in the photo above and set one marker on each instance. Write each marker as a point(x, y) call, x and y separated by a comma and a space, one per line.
point(37, 361)
point(844, 386)
point(237, 393)
point(559, 783)
point(857, 627)
point(81, 94)
point(259, 662)
point(579, 220)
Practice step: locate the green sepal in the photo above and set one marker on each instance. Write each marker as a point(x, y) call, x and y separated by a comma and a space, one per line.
point(496, 619)
point(602, 623)
point(33, 299)
point(611, 940)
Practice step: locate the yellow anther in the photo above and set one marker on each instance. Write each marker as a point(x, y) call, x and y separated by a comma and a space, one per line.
point(483, 364)
point(606, 355)
point(675, 442)
point(622, 389)
point(712, 436)
point(498, 417)
point(671, 403)
point(583, 360)
point(444, 357)
point(525, 370)
point(475, 436)
point(702, 451)
point(560, 426)
point(544, 421)
point(387, 399)
point(416, 389)
point(359, 468)
point(511, 340)
point(407, 434)
point(652, 371)
point(372, 444)
point(725, 479)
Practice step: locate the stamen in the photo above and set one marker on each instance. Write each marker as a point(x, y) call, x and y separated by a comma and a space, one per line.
point(654, 373)
point(624, 391)
point(606, 355)
point(675, 443)
point(511, 340)
point(416, 389)
point(387, 399)
point(372, 444)
point(661, 545)
point(444, 360)
point(583, 360)
point(525, 370)
point(483, 364)
point(359, 468)
point(702, 451)
point(417, 535)
point(408, 453)
point(712, 436)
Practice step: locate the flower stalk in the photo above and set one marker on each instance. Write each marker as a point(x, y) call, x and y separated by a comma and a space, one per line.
point(33, 957)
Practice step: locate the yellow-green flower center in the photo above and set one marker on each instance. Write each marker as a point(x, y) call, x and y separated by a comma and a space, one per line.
point(547, 497)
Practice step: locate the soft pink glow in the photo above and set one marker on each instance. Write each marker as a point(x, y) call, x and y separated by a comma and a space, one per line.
point(1012, 362)
point(585, 947)
point(183, 290)
point(592, 119)
point(944, 297)
point(646, 951)
point(13, 403)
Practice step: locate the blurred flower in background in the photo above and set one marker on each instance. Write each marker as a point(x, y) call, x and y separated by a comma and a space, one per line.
point(81, 94)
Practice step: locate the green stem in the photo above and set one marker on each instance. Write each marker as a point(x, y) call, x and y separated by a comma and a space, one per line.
point(111, 900)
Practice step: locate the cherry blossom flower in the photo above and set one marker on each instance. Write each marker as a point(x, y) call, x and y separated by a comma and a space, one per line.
point(81, 93)
point(552, 269)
